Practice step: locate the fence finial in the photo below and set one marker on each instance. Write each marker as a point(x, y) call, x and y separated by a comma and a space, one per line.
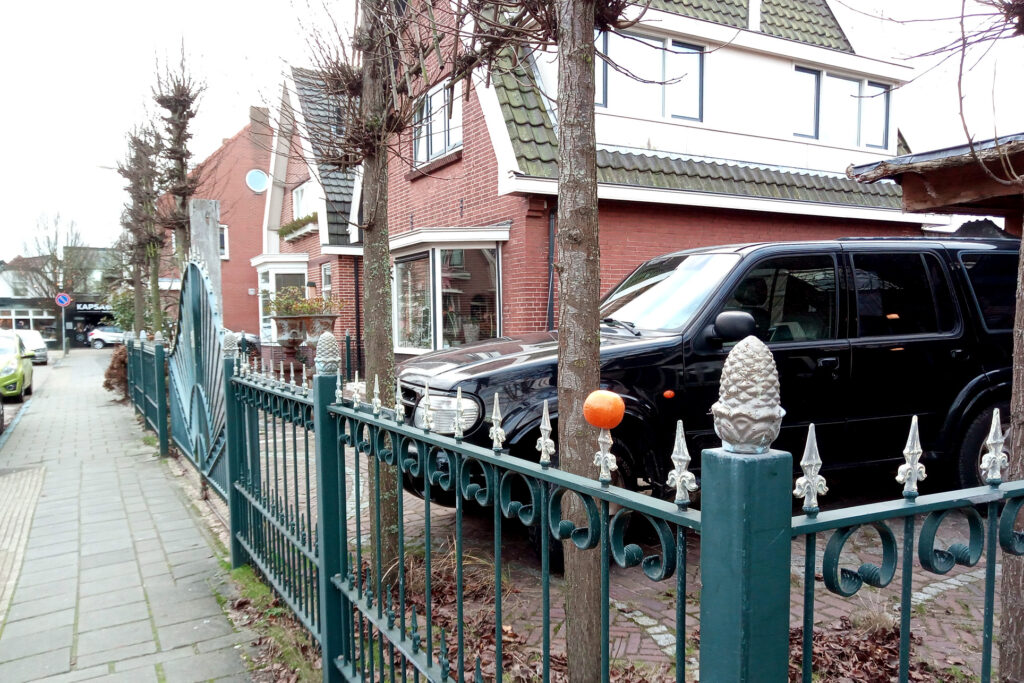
point(496, 433)
point(230, 344)
point(458, 434)
point(994, 459)
point(158, 337)
point(913, 471)
point(339, 387)
point(428, 414)
point(375, 403)
point(680, 476)
point(748, 414)
point(399, 406)
point(142, 335)
point(811, 484)
point(328, 355)
point(545, 444)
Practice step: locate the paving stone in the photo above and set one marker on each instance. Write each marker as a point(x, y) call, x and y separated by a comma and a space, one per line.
point(176, 612)
point(61, 541)
point(112, 616)
point(24, 646)
point(120, 569)
point(117, 654)
point(183, 652)
point(41, 606)
point(44, 590)
point(203, 567)
point(240, 641)
point(106, 546)
point(41, 624)
point(122, 596)
point(105, 559)
point(36, 667)
point(80, 674)
point(107, 585)
point(57, 561)
point(29, 579)
point(114, 637)
point(193, 631)
point(204, 667)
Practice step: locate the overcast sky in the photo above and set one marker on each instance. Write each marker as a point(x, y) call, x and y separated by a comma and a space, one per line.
point(79, 75)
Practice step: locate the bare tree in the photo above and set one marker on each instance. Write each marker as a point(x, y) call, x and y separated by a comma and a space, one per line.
point(177, 93)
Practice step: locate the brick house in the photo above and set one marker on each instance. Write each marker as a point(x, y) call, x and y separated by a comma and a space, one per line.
point(310, 238)
point(764, 105)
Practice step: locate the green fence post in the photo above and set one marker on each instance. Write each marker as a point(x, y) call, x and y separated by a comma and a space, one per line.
point(128, 368)
point(160, 387)
point(745, 528)
point(234, 425)
point(330, 506)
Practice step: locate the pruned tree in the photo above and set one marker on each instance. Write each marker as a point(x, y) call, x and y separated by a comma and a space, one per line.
point(177, 93)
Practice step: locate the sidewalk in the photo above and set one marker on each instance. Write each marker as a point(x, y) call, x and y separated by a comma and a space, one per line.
point(105, 573)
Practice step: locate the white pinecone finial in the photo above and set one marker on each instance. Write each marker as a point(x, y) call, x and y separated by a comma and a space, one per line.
point(230, 344)
point(747, 414)
point(328, 355)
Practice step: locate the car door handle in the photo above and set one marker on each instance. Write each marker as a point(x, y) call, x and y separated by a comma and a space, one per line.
point(829, 363)
point(959, 354)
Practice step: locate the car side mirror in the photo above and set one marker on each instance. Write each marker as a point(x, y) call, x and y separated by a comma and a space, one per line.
point(731, 326)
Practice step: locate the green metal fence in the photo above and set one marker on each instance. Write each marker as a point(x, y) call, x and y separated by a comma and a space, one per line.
point(147, 385)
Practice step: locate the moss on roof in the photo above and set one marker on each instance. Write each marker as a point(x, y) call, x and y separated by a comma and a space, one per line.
point(805, 21)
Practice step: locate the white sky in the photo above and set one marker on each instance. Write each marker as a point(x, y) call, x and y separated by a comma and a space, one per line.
point(78, 76)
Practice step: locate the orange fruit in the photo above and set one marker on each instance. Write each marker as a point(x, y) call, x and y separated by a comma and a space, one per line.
point(604, 409)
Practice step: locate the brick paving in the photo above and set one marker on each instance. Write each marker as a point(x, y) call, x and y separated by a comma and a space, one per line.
point(115, 578)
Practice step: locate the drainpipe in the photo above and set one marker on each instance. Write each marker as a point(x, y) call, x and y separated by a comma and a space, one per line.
point(359, 310)
point(551, 269)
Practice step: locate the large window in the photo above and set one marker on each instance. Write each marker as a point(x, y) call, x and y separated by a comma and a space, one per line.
point(840, 110)
point(902, 294)
point(435, 132)
point(650, 76)
point(446, 297)
point(325, 280)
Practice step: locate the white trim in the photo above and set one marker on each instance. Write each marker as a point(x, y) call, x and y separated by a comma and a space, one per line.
point(497, 131)
point(341, 250)
point(353, 208)
point(227, 243)
point(265, 261)
point(678, 25)
point(304, 230)
point(720, 201)
point(446, 236)
point(754, 15)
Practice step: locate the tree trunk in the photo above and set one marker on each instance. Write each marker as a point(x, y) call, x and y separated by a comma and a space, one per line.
point(154, 291)
point(380, 352)
point(138, 294)
point(579, 370)
point(1011, 626)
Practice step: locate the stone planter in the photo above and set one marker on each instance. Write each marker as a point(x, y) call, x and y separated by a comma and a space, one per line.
point(291, 332)
point(317, 325)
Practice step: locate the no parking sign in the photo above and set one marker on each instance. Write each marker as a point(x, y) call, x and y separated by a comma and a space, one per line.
point(62, 299)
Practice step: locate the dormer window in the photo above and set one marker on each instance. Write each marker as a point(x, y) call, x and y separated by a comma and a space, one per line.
point(435, 133)
point(840, 110)
point(654, 76)
point(300, 201)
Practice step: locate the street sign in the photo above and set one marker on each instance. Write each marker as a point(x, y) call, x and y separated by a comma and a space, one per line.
point(62, 299)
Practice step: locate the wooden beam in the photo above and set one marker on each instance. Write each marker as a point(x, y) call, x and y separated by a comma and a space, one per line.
point(1014, 224)
point(949, 187)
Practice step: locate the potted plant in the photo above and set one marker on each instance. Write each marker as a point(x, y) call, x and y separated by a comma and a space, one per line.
point(287, 308)
point(321, 312)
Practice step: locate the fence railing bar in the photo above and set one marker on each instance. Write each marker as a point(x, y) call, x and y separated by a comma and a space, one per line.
point(271, 577)
point(281, 527)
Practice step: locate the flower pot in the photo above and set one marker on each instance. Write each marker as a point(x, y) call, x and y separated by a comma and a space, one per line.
point(291, 332)
point(317, 325)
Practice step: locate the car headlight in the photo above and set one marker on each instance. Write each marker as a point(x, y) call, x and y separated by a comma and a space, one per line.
point(10, 367)
point(443, 408)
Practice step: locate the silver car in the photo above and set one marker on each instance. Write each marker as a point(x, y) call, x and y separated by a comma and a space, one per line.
point(34, 342)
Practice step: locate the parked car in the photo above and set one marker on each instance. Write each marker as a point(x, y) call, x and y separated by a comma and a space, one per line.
point(865, 332)
point(104, 335)
point(35, 343)
point(15, 367)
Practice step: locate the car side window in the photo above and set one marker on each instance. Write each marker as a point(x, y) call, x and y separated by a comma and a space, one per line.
point(902, 294)
point(993, 279)
point(791, 298)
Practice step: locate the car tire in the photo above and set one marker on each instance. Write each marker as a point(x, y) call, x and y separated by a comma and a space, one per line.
point(30, 388)
point(97, 344)
point(972, 444)
point(20, 398)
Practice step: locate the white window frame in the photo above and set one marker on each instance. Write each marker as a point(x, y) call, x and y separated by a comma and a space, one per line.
point(299, 196)
point(326, 282)
point(863, 84)
point(273, 271)
point(225, 253)
point(433, 253)
point(422, 130)
point(603, 97)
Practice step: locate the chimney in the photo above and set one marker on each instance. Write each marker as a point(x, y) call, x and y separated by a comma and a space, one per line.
point(754, 15)
point(260, 132)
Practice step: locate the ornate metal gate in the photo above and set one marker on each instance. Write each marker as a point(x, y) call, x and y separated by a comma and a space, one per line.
point(196, 371)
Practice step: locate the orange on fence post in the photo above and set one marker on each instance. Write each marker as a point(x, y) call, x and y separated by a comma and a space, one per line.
point(604, 409)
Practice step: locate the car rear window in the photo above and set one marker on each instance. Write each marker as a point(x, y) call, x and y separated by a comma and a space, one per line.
point(993, 279)
point(902, 294)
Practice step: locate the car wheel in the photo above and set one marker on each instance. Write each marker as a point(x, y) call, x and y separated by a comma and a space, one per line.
point(97, 344)
point(21, 395)
point(28, 390)
point(972, 444)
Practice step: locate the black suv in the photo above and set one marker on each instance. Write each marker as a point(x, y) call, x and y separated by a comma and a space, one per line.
point(865, 333)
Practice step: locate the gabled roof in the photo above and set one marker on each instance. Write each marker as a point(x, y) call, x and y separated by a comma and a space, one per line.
point(321, 116)
point(805, 21)
point(536, 148)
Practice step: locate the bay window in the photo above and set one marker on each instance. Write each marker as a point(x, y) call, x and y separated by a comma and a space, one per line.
point(446, 297)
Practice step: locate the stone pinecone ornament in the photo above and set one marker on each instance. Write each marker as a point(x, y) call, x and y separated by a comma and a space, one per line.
point(748, 414)
point(328, 354)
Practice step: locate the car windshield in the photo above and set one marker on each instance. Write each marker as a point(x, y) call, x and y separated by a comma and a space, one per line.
point(666, 293)
point(8, 346)
point(32, 339)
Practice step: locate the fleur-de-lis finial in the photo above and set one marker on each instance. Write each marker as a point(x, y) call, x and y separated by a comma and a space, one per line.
point(545, 444)
point(428, 413)
point(681, 477)
point(291, 374)
point(280, 376)
point(339, 387)
point(376, 395)
point(496, 432)
point(399, 406)
point(604, 458)
point(458, 414)
point(913, 471)
point(994, 460)
point(812, 484)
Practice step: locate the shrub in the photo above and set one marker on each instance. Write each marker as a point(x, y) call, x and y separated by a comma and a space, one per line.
point(115, 379)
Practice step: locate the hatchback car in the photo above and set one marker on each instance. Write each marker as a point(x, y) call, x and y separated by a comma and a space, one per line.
point(105, 335)
point(15, 367)
point(865, 334)
point(35, 343)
